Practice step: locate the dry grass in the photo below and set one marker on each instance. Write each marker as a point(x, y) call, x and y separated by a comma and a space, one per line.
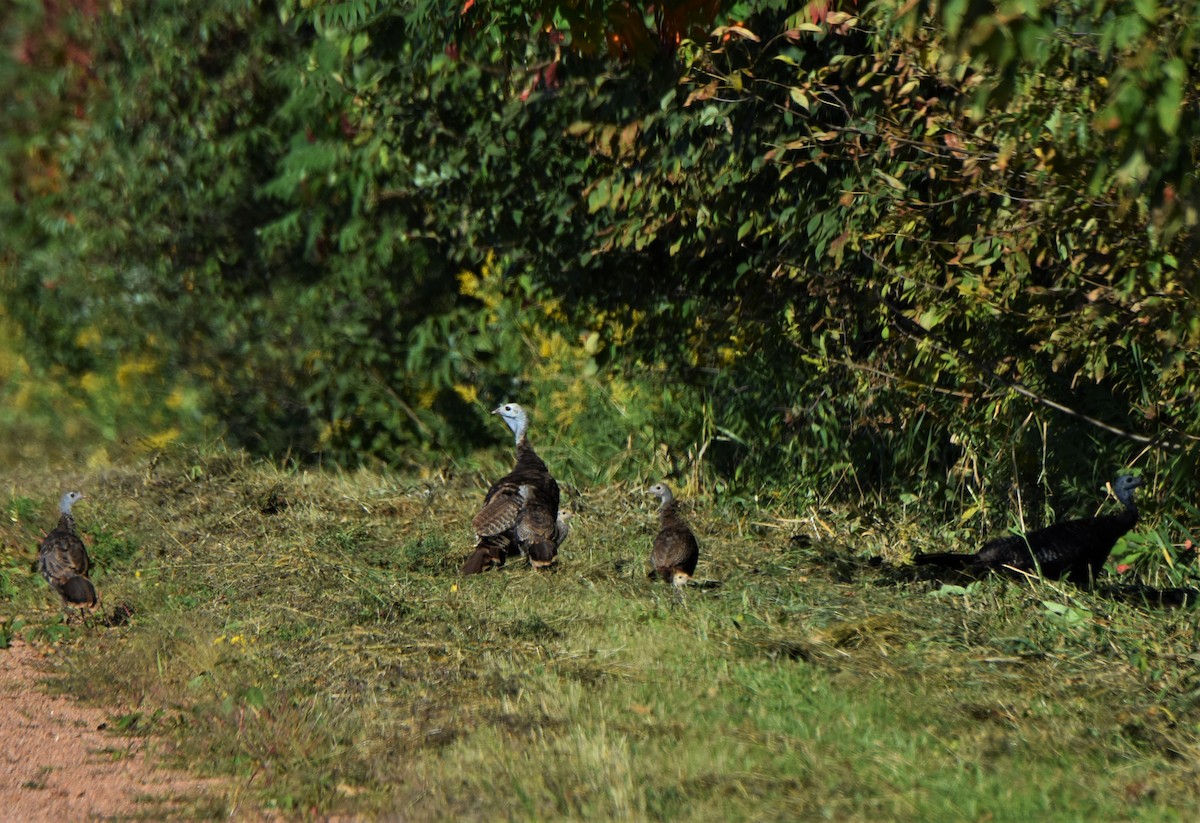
point(306, 633)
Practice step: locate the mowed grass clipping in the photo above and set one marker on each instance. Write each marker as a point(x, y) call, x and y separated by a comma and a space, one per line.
point(306, 635)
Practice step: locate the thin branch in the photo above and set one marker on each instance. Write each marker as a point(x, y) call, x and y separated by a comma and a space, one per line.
point(850, 364)
point(915, 330)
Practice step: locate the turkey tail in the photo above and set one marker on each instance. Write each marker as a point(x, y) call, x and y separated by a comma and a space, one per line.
point(945, 560)
point(79, 591)
point(476, 563)
point(488, 554)
point(541, 554)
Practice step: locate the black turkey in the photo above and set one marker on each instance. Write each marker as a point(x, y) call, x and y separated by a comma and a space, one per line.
point(675, 551)
point(520, 511)
point(63, 559)
point(1074, 550)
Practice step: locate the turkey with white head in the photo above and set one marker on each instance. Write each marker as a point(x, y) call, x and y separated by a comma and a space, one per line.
point(63, 559)
point(520, 510)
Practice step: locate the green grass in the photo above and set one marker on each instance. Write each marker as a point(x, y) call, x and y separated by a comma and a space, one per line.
point(306, 635)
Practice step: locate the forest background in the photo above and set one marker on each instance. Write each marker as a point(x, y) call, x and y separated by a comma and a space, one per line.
point(938, 253)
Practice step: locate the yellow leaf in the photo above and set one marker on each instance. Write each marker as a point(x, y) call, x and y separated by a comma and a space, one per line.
point(88, 338)
point(740, 31)
point(469, 394)
point(161, 440)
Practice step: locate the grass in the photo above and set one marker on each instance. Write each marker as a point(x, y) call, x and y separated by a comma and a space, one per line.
point(306, 636)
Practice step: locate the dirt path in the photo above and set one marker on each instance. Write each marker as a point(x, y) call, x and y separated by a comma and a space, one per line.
point(59, 764)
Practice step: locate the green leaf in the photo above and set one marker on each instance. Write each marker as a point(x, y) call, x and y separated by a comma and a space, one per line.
point(1169, 105)
point(600, 197)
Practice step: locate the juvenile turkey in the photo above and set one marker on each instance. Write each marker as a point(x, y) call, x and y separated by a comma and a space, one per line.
point(520, 510)
point(562, 527)
point(63, 559)
point(675, 551)
point(1074, 550)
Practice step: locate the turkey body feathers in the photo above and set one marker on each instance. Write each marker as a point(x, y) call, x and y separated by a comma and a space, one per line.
point(1074, 550)
point(500, 512)
point(503, 503)
point(537, 531)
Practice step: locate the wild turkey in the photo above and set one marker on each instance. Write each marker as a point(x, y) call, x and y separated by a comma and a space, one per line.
point(63, 559)
point(675, 551)
point(1071, 549)
point(520, 511)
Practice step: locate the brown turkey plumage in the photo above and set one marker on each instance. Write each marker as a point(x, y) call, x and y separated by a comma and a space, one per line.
point(63, 559)
point(675, 551)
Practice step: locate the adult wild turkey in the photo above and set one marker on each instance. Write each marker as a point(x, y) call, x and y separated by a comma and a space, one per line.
point(520, 511)
point(675, 551)
point(1071, 549)
point(63, 559)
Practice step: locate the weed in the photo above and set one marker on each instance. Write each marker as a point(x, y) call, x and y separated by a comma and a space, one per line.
point(22, 509)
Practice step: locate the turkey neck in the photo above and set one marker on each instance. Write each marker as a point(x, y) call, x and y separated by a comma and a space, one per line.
point(66, 522)
point(1127, 517)
point(526, 454)
point(519, 432)
point(1126, 497)
point(669, 511)
point(1123, 520)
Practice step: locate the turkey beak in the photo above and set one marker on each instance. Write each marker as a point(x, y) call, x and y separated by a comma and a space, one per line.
point(496, 410)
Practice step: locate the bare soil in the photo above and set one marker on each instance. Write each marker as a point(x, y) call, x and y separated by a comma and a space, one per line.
point(59, 763)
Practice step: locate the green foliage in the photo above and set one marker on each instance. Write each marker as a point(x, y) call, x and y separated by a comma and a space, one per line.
point(82, 369)
point(926, 263)
point(111, 548)
point(22, 509)
point(8, 629)
point(856, 250)
point(1165, 556)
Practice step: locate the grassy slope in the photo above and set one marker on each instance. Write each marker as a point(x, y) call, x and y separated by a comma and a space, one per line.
point(308, 634)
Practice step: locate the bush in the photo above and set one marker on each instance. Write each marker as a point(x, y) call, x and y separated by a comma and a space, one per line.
point(843, 249)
